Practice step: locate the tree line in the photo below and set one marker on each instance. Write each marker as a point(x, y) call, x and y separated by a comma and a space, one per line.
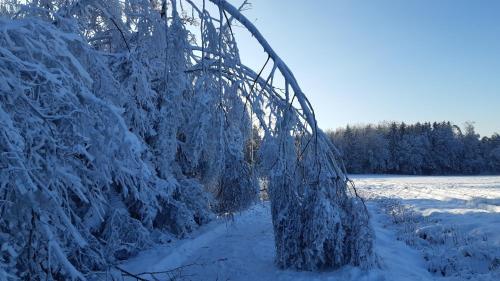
point(439, 148)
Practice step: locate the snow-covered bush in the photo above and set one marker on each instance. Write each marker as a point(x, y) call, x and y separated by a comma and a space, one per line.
point(447, 249)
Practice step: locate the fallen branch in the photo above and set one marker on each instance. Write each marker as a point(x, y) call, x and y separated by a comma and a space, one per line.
point(136, 276)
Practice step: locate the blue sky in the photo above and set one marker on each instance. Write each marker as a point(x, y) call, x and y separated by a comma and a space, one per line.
point(384, 60)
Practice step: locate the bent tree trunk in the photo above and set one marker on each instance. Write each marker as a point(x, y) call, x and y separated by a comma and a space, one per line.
point(317, 222)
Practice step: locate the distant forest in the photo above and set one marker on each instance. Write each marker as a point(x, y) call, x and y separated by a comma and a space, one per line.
point(417, 149)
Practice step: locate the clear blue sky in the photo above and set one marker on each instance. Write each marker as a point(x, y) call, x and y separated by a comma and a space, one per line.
point(384, 60)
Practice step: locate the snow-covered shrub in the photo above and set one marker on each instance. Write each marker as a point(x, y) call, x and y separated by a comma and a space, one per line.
point(405, 217)
point(447, 249)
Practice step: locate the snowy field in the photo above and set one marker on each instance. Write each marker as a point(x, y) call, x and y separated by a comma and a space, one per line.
point(427, 228)
point(453, 222)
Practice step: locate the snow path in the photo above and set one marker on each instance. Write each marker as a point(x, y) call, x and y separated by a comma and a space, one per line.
point(243, 249)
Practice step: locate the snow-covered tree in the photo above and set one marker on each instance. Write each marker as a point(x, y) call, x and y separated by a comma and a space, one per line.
point(421, 148)
point(119, 127)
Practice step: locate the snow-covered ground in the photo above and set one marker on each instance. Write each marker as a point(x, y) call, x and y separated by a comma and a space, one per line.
point(453, 222)
point(448, 225)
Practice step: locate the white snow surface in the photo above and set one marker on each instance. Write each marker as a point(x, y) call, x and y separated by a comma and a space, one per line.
point(447, 225)
point(453, 222)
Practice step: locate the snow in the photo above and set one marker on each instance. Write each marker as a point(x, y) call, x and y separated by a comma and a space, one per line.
point(397, 260)
point(454, 222)
point(238, 248)
point(242, 247)
point(473, 203)
point(111, 150)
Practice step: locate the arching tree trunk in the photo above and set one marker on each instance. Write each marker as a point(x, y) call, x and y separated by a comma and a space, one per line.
point(317, 224)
